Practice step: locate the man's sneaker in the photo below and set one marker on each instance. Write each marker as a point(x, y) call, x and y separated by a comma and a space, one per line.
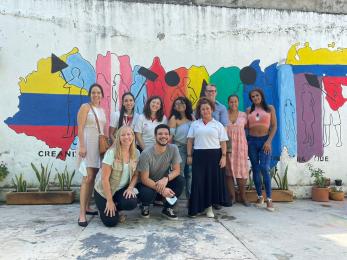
point(145, 211)
point(169, 213)
point(209, 212)
point(260, 202)
point(269, 205)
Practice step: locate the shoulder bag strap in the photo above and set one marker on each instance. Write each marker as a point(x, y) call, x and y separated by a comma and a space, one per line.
point(96, 118)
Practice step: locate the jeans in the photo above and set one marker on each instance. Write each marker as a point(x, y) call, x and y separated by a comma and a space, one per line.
point(121, 204)
point(260, 163)
point(147, 195)
point(185, 169)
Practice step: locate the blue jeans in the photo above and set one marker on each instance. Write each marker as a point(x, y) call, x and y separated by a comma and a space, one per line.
point(185, 169)
point(260, 163)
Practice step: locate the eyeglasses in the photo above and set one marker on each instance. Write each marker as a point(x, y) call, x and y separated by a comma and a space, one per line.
point(211, 91)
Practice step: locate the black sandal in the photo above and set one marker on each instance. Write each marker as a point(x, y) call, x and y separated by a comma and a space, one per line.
point(82, 223)
point(93, 213)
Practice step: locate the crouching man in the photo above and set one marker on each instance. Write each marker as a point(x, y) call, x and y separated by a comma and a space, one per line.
point(159, 168)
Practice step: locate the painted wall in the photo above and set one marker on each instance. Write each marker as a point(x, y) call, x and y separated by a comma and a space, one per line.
point(51, 51)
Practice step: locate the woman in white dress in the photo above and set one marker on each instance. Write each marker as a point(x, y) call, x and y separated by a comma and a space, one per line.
point(88, 136)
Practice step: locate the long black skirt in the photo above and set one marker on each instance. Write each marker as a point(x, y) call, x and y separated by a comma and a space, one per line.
point(208, 181)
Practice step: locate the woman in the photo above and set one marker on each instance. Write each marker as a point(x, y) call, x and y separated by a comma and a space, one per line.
point(237, 150)
point(153, 115)
point(126, 115)
point(208, 181)
point(179, 123)
point(115, 190)
point(88, 136)
point(262, 125)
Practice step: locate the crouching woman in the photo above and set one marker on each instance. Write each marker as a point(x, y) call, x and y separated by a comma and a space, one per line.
point(114, 192)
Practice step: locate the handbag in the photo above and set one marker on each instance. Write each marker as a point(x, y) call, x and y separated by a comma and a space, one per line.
point(103, 139)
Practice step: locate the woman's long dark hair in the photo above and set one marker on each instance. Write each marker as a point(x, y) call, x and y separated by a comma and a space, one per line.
point(122, 110)
point(147, 109)
point(188, 112)
point(263, 103)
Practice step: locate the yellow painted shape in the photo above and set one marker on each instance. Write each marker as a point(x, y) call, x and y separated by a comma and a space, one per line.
point(307, 56)
point(45, 82)
point(196, 76)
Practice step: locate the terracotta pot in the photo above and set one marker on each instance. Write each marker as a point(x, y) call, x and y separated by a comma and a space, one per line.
point(320, 194)
point(337, 195)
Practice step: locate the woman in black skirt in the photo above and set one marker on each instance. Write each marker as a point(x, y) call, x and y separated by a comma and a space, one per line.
point(208, 181)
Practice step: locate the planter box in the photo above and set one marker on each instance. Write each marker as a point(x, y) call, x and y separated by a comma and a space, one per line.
point(338, 196)
point(320, 194)
point(40, 198)
point(277, 195)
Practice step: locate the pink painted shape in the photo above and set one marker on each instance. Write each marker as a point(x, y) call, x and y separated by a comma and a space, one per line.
point(126, 76)
point(103, 77)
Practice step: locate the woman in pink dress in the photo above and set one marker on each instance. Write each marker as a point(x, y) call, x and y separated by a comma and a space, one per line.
point(237, 150)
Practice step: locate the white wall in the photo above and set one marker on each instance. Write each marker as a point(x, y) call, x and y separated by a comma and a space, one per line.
point(181, 36)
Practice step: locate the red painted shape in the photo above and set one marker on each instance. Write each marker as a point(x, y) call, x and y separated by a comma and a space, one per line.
point(126, 74)
point(333, 87)
point(160, 88)
point(53, 136)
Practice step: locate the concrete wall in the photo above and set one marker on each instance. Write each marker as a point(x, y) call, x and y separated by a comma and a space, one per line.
point(320, 6)
point(108, 42)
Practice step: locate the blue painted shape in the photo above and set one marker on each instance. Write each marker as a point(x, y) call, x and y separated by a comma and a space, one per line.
point(138, 89)
point(286, 116)
point(267, 81)
point(79, 72)
point(47, 110)
point(319, 70)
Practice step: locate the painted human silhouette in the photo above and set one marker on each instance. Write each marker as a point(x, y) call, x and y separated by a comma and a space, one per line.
point(71, 118)
point(308, 115)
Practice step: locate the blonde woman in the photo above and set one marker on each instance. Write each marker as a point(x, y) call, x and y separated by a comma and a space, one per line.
point(115, 190)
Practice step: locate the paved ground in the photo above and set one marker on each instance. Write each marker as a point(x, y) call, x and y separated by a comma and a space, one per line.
point(298, 230)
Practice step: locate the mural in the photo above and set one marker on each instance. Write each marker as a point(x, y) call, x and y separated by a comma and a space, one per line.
point(308, 93)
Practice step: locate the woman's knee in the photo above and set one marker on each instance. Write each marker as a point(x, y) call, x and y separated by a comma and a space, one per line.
point(89, 180)
point(110, 222)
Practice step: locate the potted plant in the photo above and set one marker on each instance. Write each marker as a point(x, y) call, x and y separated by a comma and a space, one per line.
point(336, 193)
point(279, 194)
point(43, 195)
point(320, 190)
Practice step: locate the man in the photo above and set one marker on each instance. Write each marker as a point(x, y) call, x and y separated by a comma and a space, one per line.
point(220, 113)
point(159, 168)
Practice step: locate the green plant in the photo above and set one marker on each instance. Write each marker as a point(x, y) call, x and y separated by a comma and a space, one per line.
point(3, 171)
point(336, 189)
point(282, 183)
point(250, 180)
point(65, 178)
point(43, 176)
point(20, 184)
point(318, 175)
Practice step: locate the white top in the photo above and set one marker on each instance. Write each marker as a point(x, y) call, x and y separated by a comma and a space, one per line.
point(114, 119)
point(146, 128)
point(207, 136)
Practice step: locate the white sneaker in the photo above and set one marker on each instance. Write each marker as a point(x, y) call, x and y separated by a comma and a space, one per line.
point(209, 212)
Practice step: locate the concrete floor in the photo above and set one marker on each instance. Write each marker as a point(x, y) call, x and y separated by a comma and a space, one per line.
point(299, 230)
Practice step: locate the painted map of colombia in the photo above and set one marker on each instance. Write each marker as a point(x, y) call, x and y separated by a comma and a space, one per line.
point(50, 98)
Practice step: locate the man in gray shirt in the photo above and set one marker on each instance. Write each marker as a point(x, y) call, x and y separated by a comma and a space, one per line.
point(220, 113)
point(159, 168)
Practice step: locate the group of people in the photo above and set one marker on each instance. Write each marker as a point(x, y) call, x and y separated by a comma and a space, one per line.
point(154, 158)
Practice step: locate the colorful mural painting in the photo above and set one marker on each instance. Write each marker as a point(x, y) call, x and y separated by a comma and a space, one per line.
point(308, 93)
